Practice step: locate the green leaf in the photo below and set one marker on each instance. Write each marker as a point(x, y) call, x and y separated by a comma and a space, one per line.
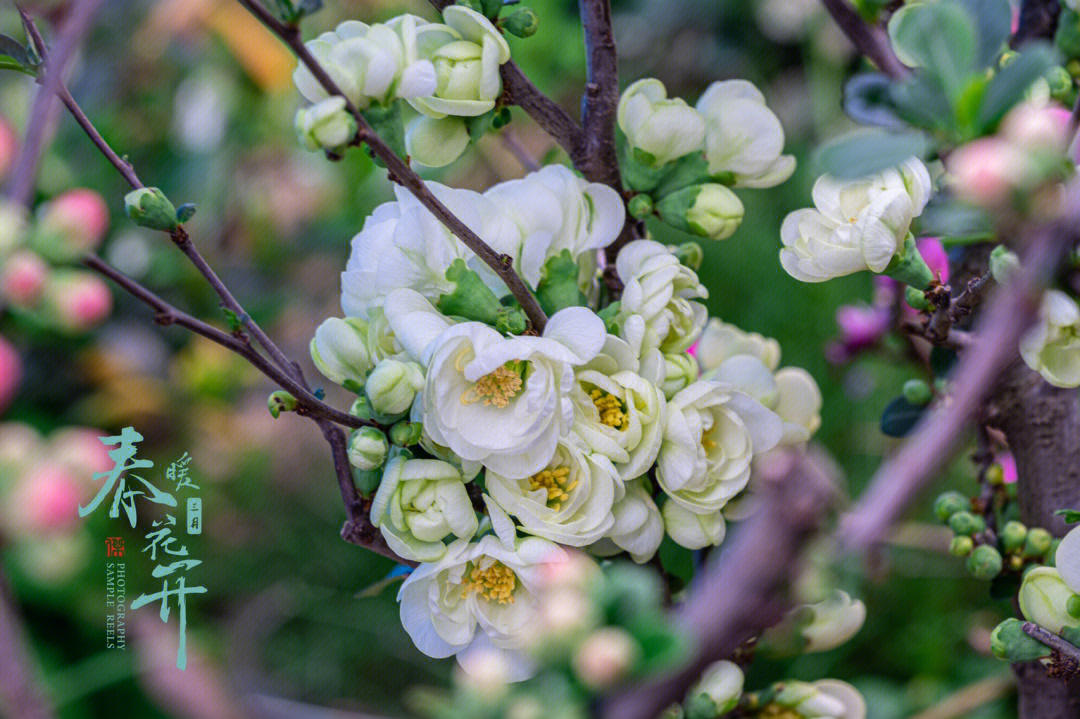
point(558, 286)
point(474, 300)
point(1012, 82)
point(692, 169)
point(185, 211)
point(868, 101)
point(993, 21)
point(955, 222)
point(1069, 516)
point(1067, 38)
point(899, 417)
point(864, 153)
point(13, 56)
point(1071, 635)
point(921, 102)
point(940, 37)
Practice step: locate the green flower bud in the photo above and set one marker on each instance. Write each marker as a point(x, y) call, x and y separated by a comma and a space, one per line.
point(949, 503)
point(280, 401)
point(680, 370)
point(985, 562)
point(1009, 642)
point(995, 475)
point(966, 523)
point(149, 207)
point(690, 254)
point(367, 448)
point(1012, 536)
point(916, 299)
point(326, 125)
point(1004, 264)
point(961, 546)
point(1072, 606)
point(406, 434)
point(1037, 543)
point(709, 210)
point(362, 408)
point(640, 206)
point(392, 386)
point(523, 22)
point(917, 392)
point(1060, 82)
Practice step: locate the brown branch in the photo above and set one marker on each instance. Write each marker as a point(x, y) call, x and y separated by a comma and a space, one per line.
point(600, 162)
point(871, 41)
point(1038, 20)
point(1045, 636)
point(401, 173)
point(19, 690)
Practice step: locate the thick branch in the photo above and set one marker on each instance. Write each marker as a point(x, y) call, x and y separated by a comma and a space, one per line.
point(869, 40)
point(1045, 636)
point(401, 173)
point(19, 691)
point(600, 162)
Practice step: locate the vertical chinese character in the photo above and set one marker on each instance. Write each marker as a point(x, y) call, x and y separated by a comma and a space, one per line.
point(123, 458)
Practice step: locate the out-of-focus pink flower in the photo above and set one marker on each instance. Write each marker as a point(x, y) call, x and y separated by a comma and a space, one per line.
point(80, 449)
point(45, 499)
point(10, 373)
point(986, 170)
point(860, 325)
point(80, 215)
point(79, 299)
point(22, 278)
point(8, 145)
point(1008, 467)
point(936, 258)
point(1036, 127)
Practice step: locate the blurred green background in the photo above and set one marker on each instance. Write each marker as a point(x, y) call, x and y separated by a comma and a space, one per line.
point(200, 98)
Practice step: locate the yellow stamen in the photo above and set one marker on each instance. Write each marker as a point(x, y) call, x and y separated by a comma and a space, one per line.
point(707, 441)
point(554, 481)
point(497, 388)
point(495, 583)
point(610, 409)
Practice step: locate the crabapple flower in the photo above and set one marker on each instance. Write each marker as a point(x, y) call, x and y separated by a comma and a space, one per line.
point(77, 301)
point(708, 210)
point(392, 386)
point(326, 125)
point(1067, 559)
point(418, 503)
point(370, 63)
point(638, 528)
point(479, 597)
point(661, 129)
point(711, 435)
point(1052, 347)
point(367, 448)
point(500, 401)
point(568, 502)
point(692, 530)
point(723, 683)
point(605, 657)
point(823, 699)
point(855, 225)
point(834, 622)
point(661, 290)
point(1044, 598)
point(720, 340)
point(743, 137)
point(22, 278)
point(340, 350)
point(80, 217)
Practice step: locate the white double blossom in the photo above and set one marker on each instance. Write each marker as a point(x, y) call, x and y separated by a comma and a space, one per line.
point(833, 622)
point(340, 350)
point(662, 128)
point(692, 529)
point(743, 137)
point(1052, 346)
point(1044, 597)
point(854, 225)
point(638, 528)
point(661, 290)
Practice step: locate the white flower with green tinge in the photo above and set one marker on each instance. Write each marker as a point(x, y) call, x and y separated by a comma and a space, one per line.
point(711, 435)
point(790, 392)
point(661, 290)
point(662, 128)
point(367, 448)
point(834, 621)
point(823, 699)
point(854, 225)
point(479, 597)
point(340, 350)
point(1067, 559)
point(392, 386)
point(723, 683)
point(326, 125)
point(420, 502)
point(638, 528)
point(720, 340)
point(743, 137)
point(1044, 599)
point(569, 501)
point(1052, 347)
point(691, 529)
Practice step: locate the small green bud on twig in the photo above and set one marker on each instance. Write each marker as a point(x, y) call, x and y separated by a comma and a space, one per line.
point(281, 401)
point(523, 22)
point(148, 207)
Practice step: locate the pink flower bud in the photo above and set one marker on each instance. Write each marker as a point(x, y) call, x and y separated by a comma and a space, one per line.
point(22, 278)
point(1034, 127)
point(1008, 467)
point(8, 146)
point(605, 657)
point(45, 499)
point(10, 373)
point(571, 570)
point(80, 300)
point(936, 258)
point(986, 171)
point(80, 215)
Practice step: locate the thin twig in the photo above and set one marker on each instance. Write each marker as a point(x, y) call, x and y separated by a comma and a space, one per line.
point(401, 173)
point(869, 40)
point(1045, 636)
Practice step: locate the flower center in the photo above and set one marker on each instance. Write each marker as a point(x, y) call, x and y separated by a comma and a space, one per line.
point(707, 442)
point(555, 482)
point(495, 583)
point(497, 388)
point(610, 409)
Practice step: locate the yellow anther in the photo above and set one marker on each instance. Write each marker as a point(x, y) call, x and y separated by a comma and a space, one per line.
point(494, 583)
point(554, 481)
point(497, 388)
point(706, 440)
point(610, 409)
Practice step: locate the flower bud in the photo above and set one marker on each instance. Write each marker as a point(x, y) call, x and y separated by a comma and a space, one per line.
point(917, 392)
point(77, 300)
point(640, 206)
point(280, 401)
point(985, 562)
point(659, 129)
point(986, 171)
point(690, 254)
point(326, 125)
point(340, 351)
point(834, 621)
point(8, 146)
point(406, 434)
point(523, 22)
point(367, 448)
point(392, 386)
point(79, 216)
point(961, 546)
point(709, 210)
point(1009, 641)
point(22, 278)
point(1004, 264)
point(966, 523)
point(690, 530)
point(1044, 598)
point(1012, 536)
point(680, 370)
point(949, 503)
point(605, 657)
point(148, 207)
point(1037, 542)
point(722, 682)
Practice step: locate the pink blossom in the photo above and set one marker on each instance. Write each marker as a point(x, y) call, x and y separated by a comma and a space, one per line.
point(80, 215)
point(986, 170)
point(80, 449)
point(22, 278)
point(936, 258)
point(46, 498)
point(861, 326)
point(8, 146)
point(80, 300)
point(10, 373)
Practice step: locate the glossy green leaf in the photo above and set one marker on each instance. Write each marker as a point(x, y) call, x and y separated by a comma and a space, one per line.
point(864, 153)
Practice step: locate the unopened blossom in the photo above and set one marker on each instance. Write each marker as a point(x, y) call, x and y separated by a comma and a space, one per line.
point(693, 530)
point(13, 224)
point(833, 622)
point(326, 125)
point(79, 216)
point(340, 351)
point(986, 171)
point(823, 699)
point(710, 210)
point(854, 225)
point(392, 386)
point(1044, 599)
point(743, 137)
point(1052, 347)
point(659, 128)
point(76, 300)
point(367, 448)
point(662, 291)
point(1067, 559)
point(481, 596)
point(419, 502)
point(638, 528)
point(721, 340)
point(44, 499)
point(22, 278)
point(723, 683)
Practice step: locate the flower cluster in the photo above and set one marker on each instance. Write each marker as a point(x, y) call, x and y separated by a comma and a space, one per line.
point(601, 432)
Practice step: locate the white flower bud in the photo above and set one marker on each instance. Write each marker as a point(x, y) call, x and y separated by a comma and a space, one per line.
point(662, 129)
point(392, 386)
point(680, 370)
point(723, 683)
point(1044, 598)
point(1052, 347)
point(339, 349)
point(436, 142)
point(605, 657)
point(716, 212)
point(367, 448)
point(743, 137)
point(836, 620)
point(326, 125)
point(693, 531)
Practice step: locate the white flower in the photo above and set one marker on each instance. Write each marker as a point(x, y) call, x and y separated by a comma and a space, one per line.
point(392, 386)
point(369, 63)
point(835, 621)
point(712, 433)
point(1067, 559)
point(720, 340)
point(1044, 598)
point(479, 597)
point(326, 125)
point(857, 225)
point(692, 530)
point(418, 503)
point(823, 699)
point(340, 351)
point(743, 137)
point(1052, 347)
point(790, 392)
point(568, 502)
point(619, 408)
point(605, 657)
point(723, 683)
point(661, 290)
point(367, 448)
point(436, 142)
point(662, 128)
point(638, 527)
point(497, 400)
